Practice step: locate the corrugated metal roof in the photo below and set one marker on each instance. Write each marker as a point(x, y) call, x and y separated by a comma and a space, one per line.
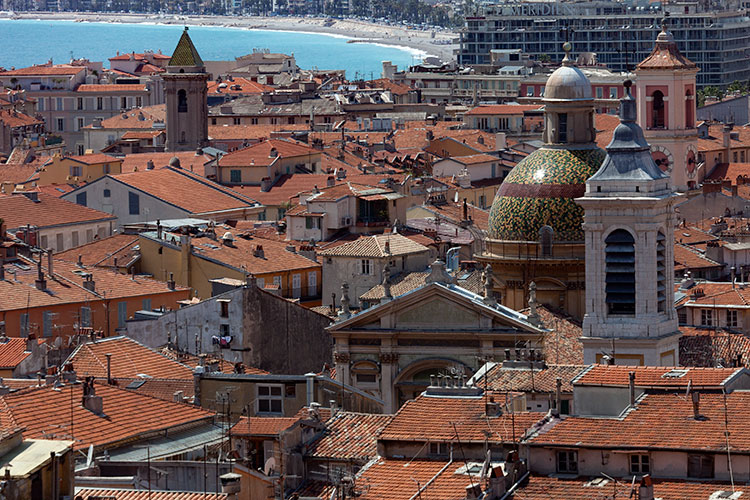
point(170, 445)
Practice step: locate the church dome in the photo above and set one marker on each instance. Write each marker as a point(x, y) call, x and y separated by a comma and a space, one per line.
point(568, 83)
point(540, 191)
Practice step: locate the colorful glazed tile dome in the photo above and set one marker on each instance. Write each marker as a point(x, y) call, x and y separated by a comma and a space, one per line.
point(540, 191)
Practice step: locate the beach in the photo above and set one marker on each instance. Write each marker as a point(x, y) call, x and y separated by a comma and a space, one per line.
point(432, 43)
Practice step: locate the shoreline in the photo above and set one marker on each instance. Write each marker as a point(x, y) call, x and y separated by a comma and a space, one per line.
point(417, 42)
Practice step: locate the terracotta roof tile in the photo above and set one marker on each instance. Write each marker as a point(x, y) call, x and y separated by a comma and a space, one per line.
point(429, 418)
point(103, 252)
point(12, 352)
point(249, 132)
point(454, 212)
point(14, 119)
point(158, 387)
point(503, 109)
point(375, 246)
point(140, 118)
point(718, 294)
point(114, 87)
point(262, 426)
point(287, 187)
point(350, 436)
point(186, 190)
point(475, 159)
point(123, 494)
point(146, 134)
point(47, 412)
point(715, 142)
point(556, 488)
point(400, 479)
point(525, 380)
point(708, 347)
point(260, 154)
point(644, 427)
point(94, 159)
point(130, 359)
point(563, 345)
point(666, 55)
point(19, 173)
point(237, 86)
point(686, 257)
point(222, 365)
point(17, 210)
point(690, 235)
point(44, 70)
point(188, 161)
point(655, 376)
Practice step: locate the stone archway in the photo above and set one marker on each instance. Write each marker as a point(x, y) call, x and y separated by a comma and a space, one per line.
point(413, 379)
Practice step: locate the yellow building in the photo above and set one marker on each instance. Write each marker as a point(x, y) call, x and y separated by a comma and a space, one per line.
point(78, 169)
point(195, 261)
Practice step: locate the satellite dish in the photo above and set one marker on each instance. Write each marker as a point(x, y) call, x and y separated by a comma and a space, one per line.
point(269, 466)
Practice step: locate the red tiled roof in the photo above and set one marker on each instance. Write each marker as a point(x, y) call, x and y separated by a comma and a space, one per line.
point(140, 118)
point(188, 161)
point(401, 479)
point(503, 109)
point(12, 352)
point(350, 436)
point(161, 388)
point(67, 286)
point(146, 134)
point(375, 246)
point(654, 376)
point(476, 159)
point(123, 494)
point(103, 252)
point(644, 427)
point(259, 154)
point(454, 212)
point(715, 142)
point(708, 347)
point(429, 418)
point(222, 365)
point(115, 87)
point(17, 210)
point(56, 70)
point(666, 55)
point(605, 127)
point(19, 173)
point(140, 56)
point(14, 119)
point(249, 132)
point(690, 235)
point(287, 187)
point(718, 294)
point(185, 190)
point(130, 359)
point(262, 426)
point(390, 85)
point(526, 380)
point(557, 488)
point(686, 257)
point(47, 413)
point(94, 159)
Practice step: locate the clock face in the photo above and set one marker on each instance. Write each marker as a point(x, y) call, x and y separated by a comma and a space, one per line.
point(663, 158)
point(690, 162)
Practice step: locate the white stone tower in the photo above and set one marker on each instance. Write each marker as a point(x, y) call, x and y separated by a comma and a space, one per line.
point(629, 224)
point(665, 90)
point(185, 86)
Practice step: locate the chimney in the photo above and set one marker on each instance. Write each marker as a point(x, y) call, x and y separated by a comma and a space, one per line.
point(49, 262)
point(330, 181)
point(69, 374)
point(150, 165)
point(171, 282)
point(558, 395)
point(473, 491)
point(158, 229)
point(265, 184)
point(259, 252)
point(89, 283)
point(631, 377)
point(231, 485)
point(646, 488)
point(109, 368)
point(500, 141)
point(51, 376)
point(30, 341)
point(726, 136)
point(179, 397)
point(41, 283)
point(310, 386)
point(80, 261)
point(697, 405)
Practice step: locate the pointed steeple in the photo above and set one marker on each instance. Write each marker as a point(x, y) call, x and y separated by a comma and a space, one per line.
point(185, 54)
point(666, 55)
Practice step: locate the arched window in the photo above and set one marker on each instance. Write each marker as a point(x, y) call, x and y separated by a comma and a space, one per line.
point(182, 101)
point(365, 372)
point(620, 272)
point(657, 107)
point(661, 272)
point(689, 109)
point(545, 240)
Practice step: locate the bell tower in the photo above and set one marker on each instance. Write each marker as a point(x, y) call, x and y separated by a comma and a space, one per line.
point(629, 231)
point(665, 89)
point(185, 86)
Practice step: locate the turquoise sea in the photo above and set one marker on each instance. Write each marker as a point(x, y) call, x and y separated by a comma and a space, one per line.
point(26, 42)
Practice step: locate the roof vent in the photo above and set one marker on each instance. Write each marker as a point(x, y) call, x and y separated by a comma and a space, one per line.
point(259, 252)
point(228, 239)
point(150, 165)
point(675, 374)
point(274, 153)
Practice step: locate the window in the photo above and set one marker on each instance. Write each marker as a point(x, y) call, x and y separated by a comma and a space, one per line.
point(134, 207)
point(24, 325)
point(296, 285)
point(707, 317)
point(79, 103)
point(80, 149)
point(312, 283)
point(312, 223)
point(366, 265)
point(620, 272)
point(438, 448)
point(657, 107)
point(74, 238)
point(40, 103)
point(60, 124)
point(138, 101)
point(107, 193)
point(562, 127)
point(732, 319)
point(81, 198)
point(75, 171)
point(530, 91)
point(567, 462)
point(599, 92)
point(59, 104)
point(237, 120)
point(123, 103)
point(661, 272)
point(545, 240)
point(85, 317)
point(80, 123)
point(99, 103)
point(701, 466)
point(613, 92)
point(89, 235)
point(290, 390)
point(224, 330)
point(290, 120)
point(43, 241)
point(253, 121)
point(261, 282)
point(182, 101)
point(640, 464)
point(235, 176)
point(277, 281)
point(146, 304)
point(47, 324)
point(270, 399)
point(262, 215)
point(59, 242)
point(122, 314)
point(224, 305)
point(682, 317)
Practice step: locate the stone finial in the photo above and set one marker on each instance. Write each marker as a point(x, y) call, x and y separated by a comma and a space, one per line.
point(489, 282)
point(386, 284)
point(438, 274)
point(567, 48)
point(344, 312)
point(533, 316)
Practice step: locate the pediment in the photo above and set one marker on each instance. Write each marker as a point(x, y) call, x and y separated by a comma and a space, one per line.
point(439, 313)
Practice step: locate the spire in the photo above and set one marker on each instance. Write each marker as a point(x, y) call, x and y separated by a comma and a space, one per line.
point(185, 54)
